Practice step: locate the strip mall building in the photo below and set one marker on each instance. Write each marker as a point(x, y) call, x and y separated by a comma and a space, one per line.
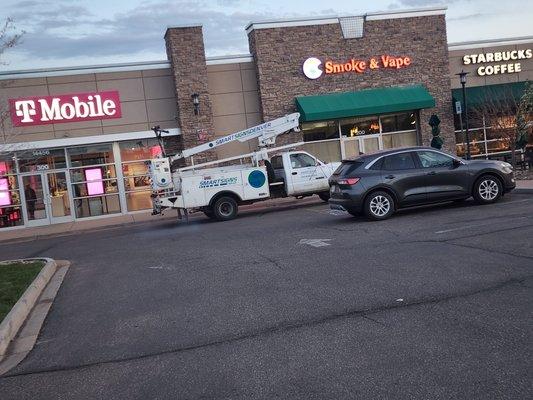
point(75, 141)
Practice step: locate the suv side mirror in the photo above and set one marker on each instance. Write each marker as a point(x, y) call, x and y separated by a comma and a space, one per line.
point(456, 163)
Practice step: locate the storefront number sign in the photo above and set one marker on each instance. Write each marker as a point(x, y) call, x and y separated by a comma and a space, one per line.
point(311, 66)
point(63, 108)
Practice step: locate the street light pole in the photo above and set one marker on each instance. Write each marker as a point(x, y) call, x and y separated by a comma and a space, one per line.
point(462, 77)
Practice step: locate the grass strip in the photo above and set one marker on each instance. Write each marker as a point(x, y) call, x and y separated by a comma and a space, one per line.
point(15, 277)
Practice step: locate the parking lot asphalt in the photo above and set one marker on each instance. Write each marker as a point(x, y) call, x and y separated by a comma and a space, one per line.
point(300, 303)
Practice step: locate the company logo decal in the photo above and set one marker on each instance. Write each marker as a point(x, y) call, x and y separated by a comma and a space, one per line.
point(311, 66)
point(65, 108)
point(209, 183)
point(256, 179)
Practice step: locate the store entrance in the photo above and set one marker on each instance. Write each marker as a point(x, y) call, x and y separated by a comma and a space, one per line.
point(46, 198)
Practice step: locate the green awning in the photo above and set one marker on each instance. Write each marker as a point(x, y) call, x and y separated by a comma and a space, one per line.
point(477, 95)
point(363, 102)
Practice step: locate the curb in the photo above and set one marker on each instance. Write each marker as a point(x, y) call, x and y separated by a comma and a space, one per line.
point(523, 190)
point(20, 311)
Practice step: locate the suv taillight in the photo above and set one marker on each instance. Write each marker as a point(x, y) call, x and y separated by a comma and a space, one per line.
point(348, 181)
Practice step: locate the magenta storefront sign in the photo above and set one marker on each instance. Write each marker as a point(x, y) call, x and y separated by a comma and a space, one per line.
point(43, 110)
point(5, 196)
point(95, 184)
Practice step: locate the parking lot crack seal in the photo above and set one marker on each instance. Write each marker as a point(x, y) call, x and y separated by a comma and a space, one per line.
point(280, 328)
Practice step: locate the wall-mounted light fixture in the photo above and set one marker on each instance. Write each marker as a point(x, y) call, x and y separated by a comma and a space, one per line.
point(196, 103)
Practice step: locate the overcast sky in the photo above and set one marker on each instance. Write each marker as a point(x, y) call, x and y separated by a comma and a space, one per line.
point(80, 32)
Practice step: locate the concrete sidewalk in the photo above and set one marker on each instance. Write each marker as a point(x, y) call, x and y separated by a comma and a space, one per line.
point(125, 219)
point(524, 186)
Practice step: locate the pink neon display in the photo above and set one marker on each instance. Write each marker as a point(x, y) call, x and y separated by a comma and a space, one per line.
point(95, 185)
point(3, 168)
point(155, 151)
point(5, 196)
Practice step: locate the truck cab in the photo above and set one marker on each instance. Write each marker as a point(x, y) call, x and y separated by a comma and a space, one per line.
point(302, 173)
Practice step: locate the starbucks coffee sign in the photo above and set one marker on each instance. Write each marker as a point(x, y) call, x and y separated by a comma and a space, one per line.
point(499, 62)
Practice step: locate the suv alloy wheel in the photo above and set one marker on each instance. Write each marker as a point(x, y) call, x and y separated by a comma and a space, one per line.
point(379, 205)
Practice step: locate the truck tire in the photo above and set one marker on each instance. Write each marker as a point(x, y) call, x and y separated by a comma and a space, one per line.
point(324, 196)
point(225, 208)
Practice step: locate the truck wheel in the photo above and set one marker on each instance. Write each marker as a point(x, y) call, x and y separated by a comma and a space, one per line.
point(225, 209)
point(324, 196)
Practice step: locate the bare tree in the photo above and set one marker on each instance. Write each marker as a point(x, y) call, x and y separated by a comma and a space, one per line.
point(9, 38)
point(507, 115)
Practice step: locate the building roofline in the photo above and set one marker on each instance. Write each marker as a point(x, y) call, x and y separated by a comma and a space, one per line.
point(84, 69)
point(489, 43)
point(116, 67)
point(236, 58)
point(333, 19)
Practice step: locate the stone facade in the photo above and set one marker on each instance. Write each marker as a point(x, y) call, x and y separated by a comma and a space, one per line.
point(185, 51)
point(279, 53)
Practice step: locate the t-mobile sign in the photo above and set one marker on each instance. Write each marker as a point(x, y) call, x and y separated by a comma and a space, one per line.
point(63, 108)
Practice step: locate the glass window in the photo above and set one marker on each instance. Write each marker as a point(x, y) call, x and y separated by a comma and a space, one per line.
point(322, 130)
point(10, 211)
point(398, 162)
point(79, 174)
point(135, 169)
point(95, 187)
point(144, 149)
point(397, 140)
point(398, 122)
point(359, 126)
point(277, 162)
point(91, 155)
point(138, 200)
point(7, 165)
point(41, 160)
point(432, 159)
point(97, 205)
point(9, 194)
point(348, 167)
point(301, 160)
point(10, 216)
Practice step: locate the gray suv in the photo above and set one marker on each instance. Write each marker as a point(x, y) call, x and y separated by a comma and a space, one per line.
point(380, 183)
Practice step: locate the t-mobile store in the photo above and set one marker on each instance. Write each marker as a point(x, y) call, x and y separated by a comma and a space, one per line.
point(75, 141)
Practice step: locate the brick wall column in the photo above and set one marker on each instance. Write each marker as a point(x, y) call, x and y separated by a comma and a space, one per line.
point(185, 51)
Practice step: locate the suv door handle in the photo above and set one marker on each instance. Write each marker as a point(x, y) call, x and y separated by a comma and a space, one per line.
point(390, 177)
point(431, 173)
point(295, 173)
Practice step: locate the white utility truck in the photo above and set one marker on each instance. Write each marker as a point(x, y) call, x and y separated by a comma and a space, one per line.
point(217, 189)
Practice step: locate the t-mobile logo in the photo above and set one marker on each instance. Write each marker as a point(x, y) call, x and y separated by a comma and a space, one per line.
point(25, 109)
point(65, 108)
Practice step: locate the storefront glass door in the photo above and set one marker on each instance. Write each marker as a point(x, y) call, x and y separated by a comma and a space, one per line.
point(46, 198)
point(59, 198)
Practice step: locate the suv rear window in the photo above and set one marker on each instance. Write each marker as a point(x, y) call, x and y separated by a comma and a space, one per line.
point(348, 167)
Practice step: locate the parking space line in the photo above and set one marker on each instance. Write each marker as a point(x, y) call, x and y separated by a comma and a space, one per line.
point(472, 226)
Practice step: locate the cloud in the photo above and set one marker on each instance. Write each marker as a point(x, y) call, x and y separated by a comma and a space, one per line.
point(60, 31)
